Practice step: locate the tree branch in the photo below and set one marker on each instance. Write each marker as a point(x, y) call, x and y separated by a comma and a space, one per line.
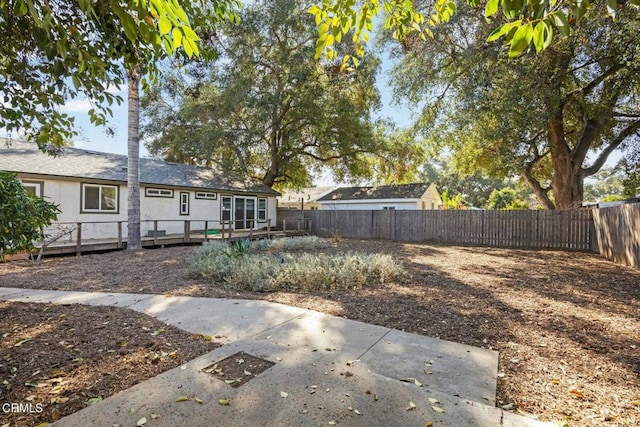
point(604, 155)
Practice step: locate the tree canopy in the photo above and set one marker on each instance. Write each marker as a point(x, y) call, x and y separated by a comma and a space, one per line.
point(53, 51)
point(552, 118)
point(267, 110)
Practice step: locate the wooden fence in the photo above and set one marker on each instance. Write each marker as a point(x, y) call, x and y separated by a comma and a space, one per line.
point(570, 229)
point(618, 233)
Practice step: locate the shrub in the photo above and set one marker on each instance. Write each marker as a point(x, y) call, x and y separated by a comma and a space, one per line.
point(300, 272)
point(300, 243)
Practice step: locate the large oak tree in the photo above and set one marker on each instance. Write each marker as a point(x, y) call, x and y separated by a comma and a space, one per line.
point(267, 110)
point(553, 117)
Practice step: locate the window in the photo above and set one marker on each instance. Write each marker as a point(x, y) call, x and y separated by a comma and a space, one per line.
point(158, 192)
point(184, 203)
point(33, 187)
point(262, 210)
point(206, 195)
point(99, 198)
point(225, 209)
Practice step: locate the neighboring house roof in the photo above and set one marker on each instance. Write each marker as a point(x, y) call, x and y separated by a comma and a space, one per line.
point(404, 191)
point(309, 195)
point(25, 157)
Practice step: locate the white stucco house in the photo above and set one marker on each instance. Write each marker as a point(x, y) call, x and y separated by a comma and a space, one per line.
point(417, 196)
point(91, 188)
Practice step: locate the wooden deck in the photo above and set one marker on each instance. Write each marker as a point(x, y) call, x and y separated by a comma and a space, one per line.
point(102, 245)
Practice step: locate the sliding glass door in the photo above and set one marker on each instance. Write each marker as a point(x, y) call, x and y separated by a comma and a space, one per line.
point(244, 212)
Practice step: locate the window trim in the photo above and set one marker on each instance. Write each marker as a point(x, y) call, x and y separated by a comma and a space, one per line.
point(147, 191)
point(222, 208)
point(206, 195)
point(183, 204)
point(38, 185)
point(265, 210)
point(83, 185)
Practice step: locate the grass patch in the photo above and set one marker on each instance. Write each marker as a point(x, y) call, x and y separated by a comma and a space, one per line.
point(278, 269)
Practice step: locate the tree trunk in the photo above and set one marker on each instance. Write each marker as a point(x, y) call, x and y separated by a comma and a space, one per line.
point(133, 151)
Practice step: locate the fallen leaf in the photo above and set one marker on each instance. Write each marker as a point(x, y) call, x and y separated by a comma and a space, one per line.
point(229, 381)
point(332, 423)
point(556, 382)
point(278, 359)
point(428, 424)
point(31, 384)
point(577, 393)
point(182, 399)
point(224, 402)
point(240, 361)
point(437, 409)
point(247, 373)
point(507, 407)
point(142, 421)
point(411, 406)
point(55, 390)
point(418, 383)
point(208, 338)
point(284, 394)
point(22, 341)
point(636, 403)
point(357, 412)
point(432, 400)
point(154, 416)
point(93, 401)
point(375, 397)
point(407, 380)
point(198, 400)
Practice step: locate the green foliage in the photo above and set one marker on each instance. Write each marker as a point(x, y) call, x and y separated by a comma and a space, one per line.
point(298, 272)
point(551, 118)
point(607, 182)
point(267, 110)
point(23, 216)
point(56, 51)
point(239, 248)
point(523, 25)
point(449, 201)
point(506, 198)
point(631, 181)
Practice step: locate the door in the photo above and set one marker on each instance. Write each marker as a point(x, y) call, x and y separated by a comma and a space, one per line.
point(244, 212)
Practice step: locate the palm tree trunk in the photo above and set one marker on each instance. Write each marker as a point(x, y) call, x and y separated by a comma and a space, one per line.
point(133, 151)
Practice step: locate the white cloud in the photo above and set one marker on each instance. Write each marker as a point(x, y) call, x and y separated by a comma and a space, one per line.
point(77, 106)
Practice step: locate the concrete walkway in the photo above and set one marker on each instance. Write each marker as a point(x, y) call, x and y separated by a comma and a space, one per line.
point(328, 370)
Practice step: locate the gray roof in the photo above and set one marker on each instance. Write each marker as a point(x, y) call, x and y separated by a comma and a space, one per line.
point(308, 194)
point(24, 157)
point(403, 191)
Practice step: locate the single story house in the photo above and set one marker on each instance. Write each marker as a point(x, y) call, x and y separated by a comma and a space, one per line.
point(91, 188)
point(305, 198)
point(418, 196)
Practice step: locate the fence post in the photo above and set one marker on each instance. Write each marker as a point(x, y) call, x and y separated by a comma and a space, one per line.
point(119, 234)
point(230, 228)
point(187, 231)
point(155, 233)
point(250, 229)
point(79, 239)
point(284, 225)
point(269, 228)
point(206, 229)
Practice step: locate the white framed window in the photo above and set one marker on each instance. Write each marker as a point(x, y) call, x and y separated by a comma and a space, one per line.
point(184, 203)
point(158, 192)
point(99, 198)
point(262, 210)
point(33, 187)
point(206, 195)
point(225, 208)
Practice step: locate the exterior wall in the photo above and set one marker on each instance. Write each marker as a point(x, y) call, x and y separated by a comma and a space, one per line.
point(430, 199)
point(67, 194)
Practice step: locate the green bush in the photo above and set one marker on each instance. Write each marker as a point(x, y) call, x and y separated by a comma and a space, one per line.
point(300, 243)
point(266, 272)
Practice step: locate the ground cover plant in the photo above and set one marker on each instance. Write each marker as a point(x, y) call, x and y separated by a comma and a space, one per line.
point(268, 266)
point(566, 324)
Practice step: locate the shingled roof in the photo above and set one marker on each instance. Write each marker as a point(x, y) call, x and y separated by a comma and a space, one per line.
point(22, 157)
point(403, 191)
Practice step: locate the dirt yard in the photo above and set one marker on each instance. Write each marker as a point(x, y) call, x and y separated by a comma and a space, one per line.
point(567, 325)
